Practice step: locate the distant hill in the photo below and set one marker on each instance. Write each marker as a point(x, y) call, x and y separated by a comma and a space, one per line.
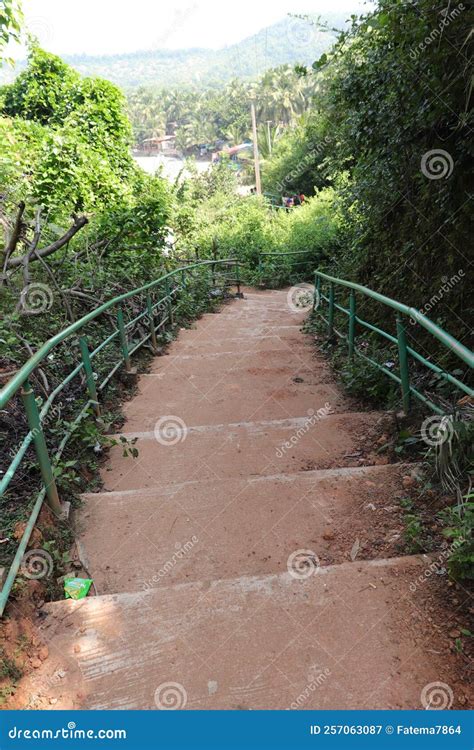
point(289, 41)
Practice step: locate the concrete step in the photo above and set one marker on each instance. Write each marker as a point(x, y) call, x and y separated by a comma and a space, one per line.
point(210, 368)
point(226, 363)
point(213, 343)
point(240, 329)
point(329, 641)
point(139, 539)
point(236, 449)
point(229, 397)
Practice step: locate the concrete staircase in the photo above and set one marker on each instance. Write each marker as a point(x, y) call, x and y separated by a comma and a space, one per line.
point(223, 556)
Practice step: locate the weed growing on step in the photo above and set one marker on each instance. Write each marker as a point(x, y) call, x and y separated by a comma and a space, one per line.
point(10, 673)
point(459, 524)
point(415, 536)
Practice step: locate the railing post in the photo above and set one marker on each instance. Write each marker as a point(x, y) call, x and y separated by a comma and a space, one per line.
point(403, 363)
point(170, 304)
point(352, 322)
point(183, 278)
point(123, 340)
point(317, 291)
point(91, 387)
point(237, 278)
point(34, 422)
point(331, 310)
point(149, 307)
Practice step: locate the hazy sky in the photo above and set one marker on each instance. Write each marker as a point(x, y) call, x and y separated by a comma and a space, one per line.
point(111, 26)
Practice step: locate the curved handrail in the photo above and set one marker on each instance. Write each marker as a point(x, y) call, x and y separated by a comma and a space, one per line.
point(15, 383)
point(35, 417)
point(462, 351)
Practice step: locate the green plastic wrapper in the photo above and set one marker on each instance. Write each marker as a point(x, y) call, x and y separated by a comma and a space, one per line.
point(77, 588)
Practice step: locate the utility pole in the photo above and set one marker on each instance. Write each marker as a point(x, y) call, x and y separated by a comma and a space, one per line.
point(269, 137)
point(256, 157)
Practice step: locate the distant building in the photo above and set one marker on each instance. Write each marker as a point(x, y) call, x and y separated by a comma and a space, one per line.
point(164, 144)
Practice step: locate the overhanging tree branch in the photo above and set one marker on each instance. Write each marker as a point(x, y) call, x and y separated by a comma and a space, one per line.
point(79, 222)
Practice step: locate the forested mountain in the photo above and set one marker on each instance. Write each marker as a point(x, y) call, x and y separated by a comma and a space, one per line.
point(288, 41)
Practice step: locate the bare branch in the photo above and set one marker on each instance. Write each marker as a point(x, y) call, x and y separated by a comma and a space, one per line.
point(64, 298)
point(79, 222)
point(32, 249)
point(14, 237)
point(39, 370)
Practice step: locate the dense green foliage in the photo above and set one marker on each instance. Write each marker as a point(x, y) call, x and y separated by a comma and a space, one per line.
point(65, 149)
point(71, 134)
point(200, 116)
point(11, 17)
point(213, 220)
point(394, 88)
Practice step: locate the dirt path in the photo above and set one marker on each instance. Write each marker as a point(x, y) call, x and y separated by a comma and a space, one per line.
point(229, 557)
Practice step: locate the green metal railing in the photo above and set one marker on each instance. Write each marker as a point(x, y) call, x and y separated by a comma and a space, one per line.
point(405, 352)
point(161, 300)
